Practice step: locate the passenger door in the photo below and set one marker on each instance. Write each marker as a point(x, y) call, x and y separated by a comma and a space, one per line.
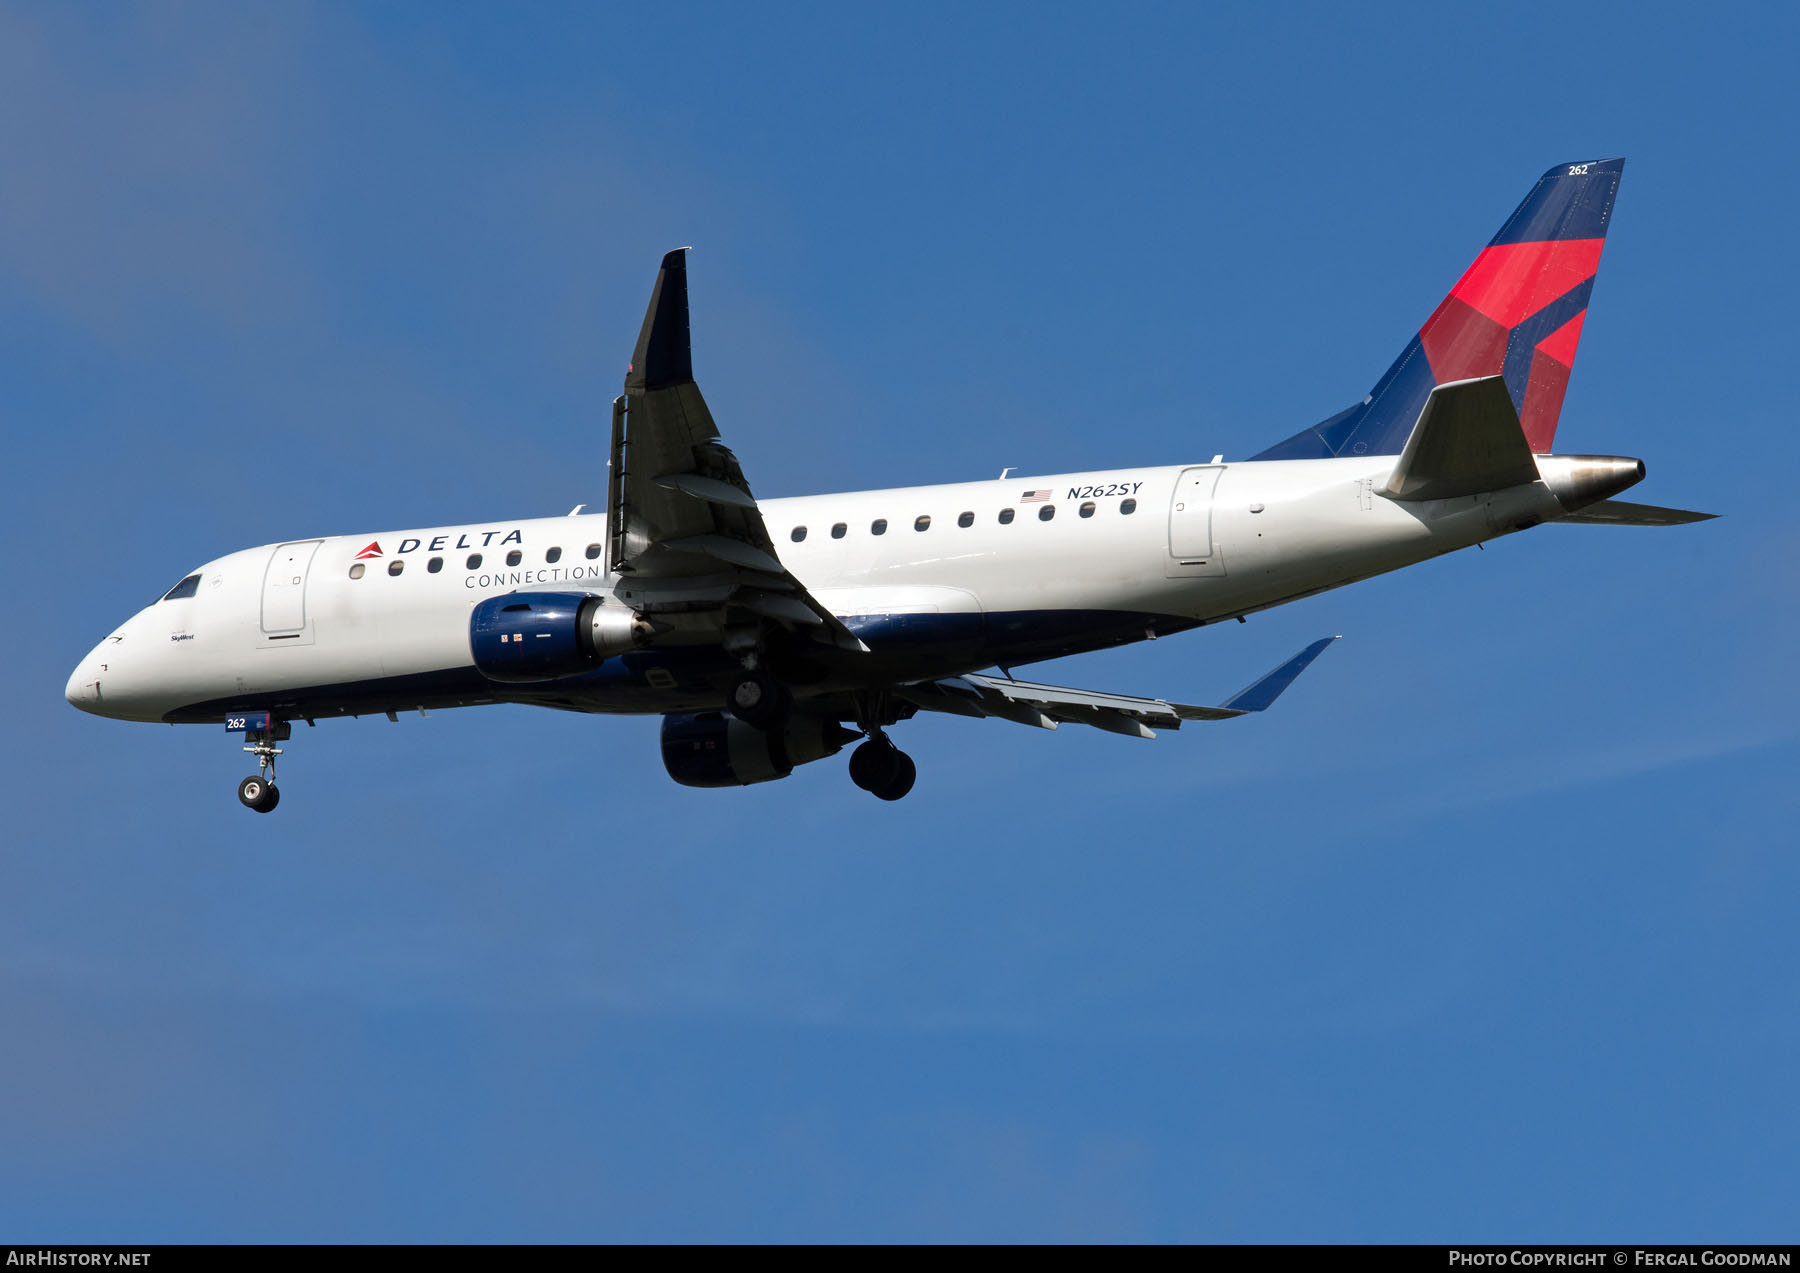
point(284, 593)
point(1191, 547)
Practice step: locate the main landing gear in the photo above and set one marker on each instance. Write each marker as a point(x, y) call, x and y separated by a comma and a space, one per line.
point(755, 696)
point(882, 769)
point(877, 766)
point(259, 792)
point(758, 699)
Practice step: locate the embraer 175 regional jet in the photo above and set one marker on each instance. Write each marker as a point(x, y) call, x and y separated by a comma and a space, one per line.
point(773, 633)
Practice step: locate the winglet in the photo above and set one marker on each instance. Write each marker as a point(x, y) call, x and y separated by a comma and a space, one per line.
point(1257, 697)
point(663, 356)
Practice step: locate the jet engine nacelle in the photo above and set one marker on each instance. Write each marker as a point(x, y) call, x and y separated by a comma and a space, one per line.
point(710, 749)
point(539, 636)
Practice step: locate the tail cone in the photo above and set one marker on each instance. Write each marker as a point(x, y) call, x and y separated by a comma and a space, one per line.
point(1580, 480)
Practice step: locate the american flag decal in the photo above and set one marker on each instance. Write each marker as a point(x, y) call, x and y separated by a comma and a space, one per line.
point(1034, 497)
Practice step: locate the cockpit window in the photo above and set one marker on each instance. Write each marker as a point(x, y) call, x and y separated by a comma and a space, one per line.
point(186, 588)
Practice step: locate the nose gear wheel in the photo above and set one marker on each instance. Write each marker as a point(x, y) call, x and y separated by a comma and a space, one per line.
point(259, 791)
point(256, 792)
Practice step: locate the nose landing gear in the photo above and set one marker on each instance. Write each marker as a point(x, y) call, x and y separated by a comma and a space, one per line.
point(259, 792)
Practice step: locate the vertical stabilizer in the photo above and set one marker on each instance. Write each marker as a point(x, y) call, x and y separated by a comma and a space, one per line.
point(1515, 313)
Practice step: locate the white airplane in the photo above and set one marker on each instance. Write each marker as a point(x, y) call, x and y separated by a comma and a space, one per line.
point(773, 633)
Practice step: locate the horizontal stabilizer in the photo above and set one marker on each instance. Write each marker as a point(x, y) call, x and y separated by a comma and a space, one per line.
point(1468, 440)
point(1046, 705)
point(1616, 512)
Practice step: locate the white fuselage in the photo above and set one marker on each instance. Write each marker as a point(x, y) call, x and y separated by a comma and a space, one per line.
point(1124, 554)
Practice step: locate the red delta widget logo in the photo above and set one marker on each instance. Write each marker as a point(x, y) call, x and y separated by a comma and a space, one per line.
point(440, 543)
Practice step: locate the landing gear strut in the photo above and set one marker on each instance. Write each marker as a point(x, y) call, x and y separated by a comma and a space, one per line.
point(258, 792)
point(882, 769)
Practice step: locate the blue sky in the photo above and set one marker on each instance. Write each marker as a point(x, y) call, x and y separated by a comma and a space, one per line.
point(1485, 933)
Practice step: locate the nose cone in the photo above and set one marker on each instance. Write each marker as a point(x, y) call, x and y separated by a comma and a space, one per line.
point(111, 680)
point(129, 675)
point(83, 689)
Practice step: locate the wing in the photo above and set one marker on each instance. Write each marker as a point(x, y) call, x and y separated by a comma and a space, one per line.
point(1047, 705)
point(683, 529)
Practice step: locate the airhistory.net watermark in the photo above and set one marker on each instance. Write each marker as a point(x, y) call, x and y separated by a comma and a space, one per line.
point(44, 1258)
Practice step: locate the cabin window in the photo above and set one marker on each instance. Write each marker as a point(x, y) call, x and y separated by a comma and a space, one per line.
point(1087, 509)
point(356, 570)
point(186, 588)
point(1128, 507)
point(474, 562)
point(514, 557)
point(965, 520)
point(1046, 512)
point(797, 534)
point(593, 551)
point(878, 526)
point(837, 531)
point(396, 566)
point(922, 523)
point(553, 555)
point(1006, 516)
point(435, 564)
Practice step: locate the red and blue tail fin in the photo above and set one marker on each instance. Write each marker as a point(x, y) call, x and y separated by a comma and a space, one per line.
point(1516, 312)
